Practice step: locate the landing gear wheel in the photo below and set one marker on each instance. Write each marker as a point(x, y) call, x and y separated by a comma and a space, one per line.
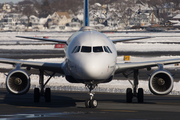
point(47, 95)
point(140, 95)
point(87, 103)
point(36, 95)
point(129, 95)
point(93, 103)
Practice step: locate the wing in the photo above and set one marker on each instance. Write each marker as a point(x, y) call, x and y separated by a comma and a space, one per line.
point(55, 67)
point(122, 67)
point(44, 39)
point(130, 39)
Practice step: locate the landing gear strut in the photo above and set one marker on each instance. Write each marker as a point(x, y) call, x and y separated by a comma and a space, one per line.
point(130, 93)
point(41, 93)
point(91, 102)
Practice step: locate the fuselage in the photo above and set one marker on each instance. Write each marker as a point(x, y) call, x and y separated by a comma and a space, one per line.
point(91, 57)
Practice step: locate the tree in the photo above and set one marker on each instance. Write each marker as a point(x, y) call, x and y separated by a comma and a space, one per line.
point(25, 2)
point(67, 5)
point(46, 7)
point(37, 6)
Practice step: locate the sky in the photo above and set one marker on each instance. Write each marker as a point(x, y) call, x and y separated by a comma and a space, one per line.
point(14, 1)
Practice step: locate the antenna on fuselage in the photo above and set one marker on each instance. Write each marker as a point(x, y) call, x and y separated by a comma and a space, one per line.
point(86, 12)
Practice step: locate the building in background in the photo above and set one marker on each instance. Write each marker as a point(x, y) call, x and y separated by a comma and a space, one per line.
point(61, 18)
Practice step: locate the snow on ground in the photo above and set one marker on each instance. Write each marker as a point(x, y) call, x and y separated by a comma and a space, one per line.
point(119, 46)
point(10, 38)
point(147, 47)
point(29, 47)
point(59, 83)
point(115, 86)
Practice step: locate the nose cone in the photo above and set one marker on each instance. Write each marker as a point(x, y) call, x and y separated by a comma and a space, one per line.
point(95, 66)
point(93, 70)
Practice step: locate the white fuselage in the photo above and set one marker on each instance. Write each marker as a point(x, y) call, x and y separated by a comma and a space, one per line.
point(91, 57)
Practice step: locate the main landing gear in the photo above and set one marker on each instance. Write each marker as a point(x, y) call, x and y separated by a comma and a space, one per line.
point(38, 93)
point(91, 102)
point(130, 93)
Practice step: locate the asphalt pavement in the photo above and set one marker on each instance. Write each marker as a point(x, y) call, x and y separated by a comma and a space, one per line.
point(70, 105)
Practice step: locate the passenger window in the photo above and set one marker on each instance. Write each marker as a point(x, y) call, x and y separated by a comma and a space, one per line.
point(106, 50)
point(98, 49)
point(86, 49)
point(109, 49)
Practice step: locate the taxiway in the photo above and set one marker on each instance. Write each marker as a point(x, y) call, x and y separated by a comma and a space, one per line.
point(70, 105)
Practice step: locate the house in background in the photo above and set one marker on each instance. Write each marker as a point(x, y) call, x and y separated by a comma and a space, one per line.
point(61, 18)
point(144, 19)
point(11, 19)
point(1, 15)
point(24, 20)
point(45, 20)
point(143, 15)
point(34, 20)
point(6, 8)
point(177, 17)
point(78, 19)
point(175, 21)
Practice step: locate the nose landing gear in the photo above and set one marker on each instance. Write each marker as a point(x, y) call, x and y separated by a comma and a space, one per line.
point(91, 102)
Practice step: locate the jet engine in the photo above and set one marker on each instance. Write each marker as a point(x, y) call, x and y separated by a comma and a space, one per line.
point(17, 82)
point(161, 82)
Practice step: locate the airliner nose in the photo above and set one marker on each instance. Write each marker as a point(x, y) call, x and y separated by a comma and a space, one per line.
point(93, 70)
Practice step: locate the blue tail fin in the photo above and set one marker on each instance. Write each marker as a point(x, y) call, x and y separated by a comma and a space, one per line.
point(86, 12)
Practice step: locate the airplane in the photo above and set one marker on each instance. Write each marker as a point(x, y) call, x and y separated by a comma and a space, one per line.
point(90, 59)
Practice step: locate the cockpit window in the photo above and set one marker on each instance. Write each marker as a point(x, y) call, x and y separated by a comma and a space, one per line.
point(86, 49)
point(76, 49)
point(98, 49)
point(106, 49)
point(109, 49)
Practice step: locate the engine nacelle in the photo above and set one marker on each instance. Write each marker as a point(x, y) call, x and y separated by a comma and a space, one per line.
point(161, 82)
point(17, 82)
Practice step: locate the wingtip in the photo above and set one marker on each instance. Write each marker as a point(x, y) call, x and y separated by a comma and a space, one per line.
point(151, 36)
point(20, 36)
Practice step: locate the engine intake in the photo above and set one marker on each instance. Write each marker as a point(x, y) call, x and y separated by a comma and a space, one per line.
point(161, 82)
point(18, 82)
